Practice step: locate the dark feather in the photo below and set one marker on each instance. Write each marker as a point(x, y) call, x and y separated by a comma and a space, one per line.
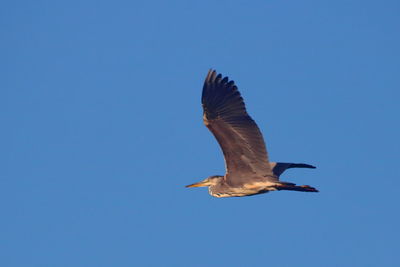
point(241, 141)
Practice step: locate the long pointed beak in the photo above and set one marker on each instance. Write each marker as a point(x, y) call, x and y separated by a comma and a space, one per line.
point(199, 184)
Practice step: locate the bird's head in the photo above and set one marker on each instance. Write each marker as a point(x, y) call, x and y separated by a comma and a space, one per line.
point(212, 180)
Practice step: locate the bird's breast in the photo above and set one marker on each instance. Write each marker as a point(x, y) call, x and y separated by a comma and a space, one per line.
point(245, 190)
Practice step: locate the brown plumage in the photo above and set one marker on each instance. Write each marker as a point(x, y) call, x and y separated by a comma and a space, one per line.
point(248, 170)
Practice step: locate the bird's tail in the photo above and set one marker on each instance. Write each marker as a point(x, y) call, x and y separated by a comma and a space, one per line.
point(294, 187)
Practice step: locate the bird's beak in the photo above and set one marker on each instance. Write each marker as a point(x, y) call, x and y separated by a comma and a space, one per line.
point(200, 184)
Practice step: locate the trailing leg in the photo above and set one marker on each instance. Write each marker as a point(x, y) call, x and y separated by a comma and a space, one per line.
point(294, 187)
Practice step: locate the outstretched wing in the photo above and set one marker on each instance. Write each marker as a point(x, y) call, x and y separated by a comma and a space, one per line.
point(279, 167)
point(238, 135)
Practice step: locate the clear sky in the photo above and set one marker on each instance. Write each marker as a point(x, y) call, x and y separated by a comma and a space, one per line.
point(101, 129)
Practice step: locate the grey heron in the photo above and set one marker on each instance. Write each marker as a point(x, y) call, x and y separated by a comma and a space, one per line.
point(248, 170)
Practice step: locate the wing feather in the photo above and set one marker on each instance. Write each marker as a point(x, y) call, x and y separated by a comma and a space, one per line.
point(238, 135)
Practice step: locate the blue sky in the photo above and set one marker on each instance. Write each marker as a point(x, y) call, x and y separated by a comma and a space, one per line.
point(102, 128)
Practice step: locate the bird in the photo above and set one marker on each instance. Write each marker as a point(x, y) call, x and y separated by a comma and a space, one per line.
point(248, 169)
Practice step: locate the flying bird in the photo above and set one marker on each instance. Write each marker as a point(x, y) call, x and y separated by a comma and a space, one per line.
point(248, 170)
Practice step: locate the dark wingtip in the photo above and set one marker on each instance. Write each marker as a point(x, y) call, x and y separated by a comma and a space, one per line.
point(210, 73)
point(303, 165)
point(309, 166)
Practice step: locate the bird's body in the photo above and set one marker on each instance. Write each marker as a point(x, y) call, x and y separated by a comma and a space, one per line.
point(248, 170)
point(223, 189)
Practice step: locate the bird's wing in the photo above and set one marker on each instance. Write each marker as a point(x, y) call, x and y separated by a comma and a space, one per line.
point(238, 135)
point(279, 167)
